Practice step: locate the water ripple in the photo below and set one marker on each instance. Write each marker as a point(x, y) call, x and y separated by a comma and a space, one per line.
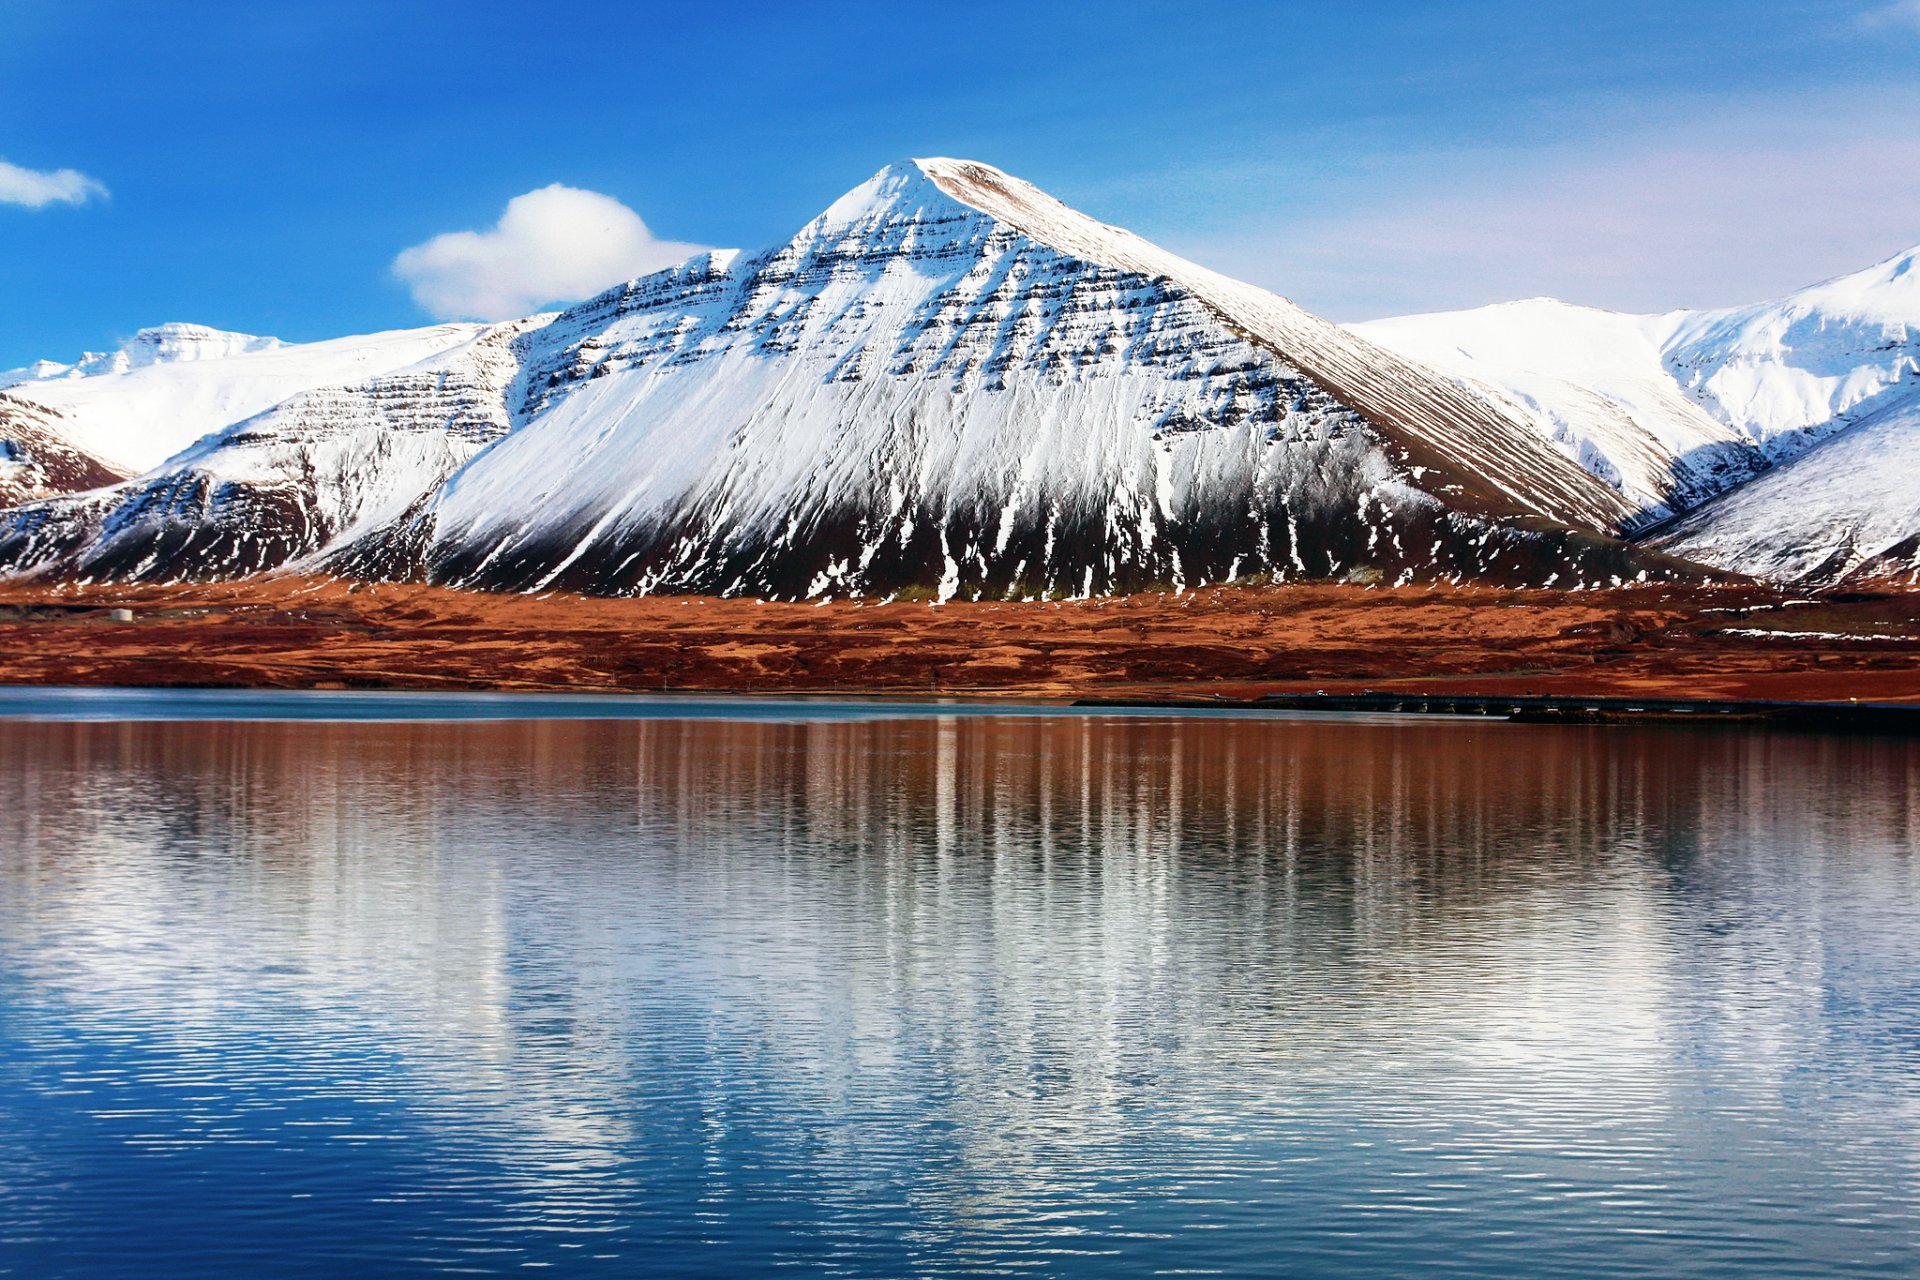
point(887, 995)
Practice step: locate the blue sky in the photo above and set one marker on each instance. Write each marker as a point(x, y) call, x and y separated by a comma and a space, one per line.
point(265, 163)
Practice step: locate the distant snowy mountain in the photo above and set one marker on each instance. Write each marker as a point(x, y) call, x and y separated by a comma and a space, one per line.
point(1594, 382)
point(1792, 372)
point(162, 344)
point(171, 385)
point(311, 474)
point(1827, 380)
point(1674, 410)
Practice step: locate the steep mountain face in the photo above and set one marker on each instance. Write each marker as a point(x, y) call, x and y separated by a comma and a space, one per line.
point(38, 459)
point(310, 476)
point(950, 381)
point(172, 385)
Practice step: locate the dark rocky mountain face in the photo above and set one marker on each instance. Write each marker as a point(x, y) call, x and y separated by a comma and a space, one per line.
point(37, 459)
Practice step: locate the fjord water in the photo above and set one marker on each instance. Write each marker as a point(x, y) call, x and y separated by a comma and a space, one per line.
point(930, 994)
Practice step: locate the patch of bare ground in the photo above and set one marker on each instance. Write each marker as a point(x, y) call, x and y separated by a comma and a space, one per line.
point(1731, 642)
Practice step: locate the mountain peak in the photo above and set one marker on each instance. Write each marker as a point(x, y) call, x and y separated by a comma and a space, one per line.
point(177, 341)
point(901, 191)
point(941, 189)
point(937, 188)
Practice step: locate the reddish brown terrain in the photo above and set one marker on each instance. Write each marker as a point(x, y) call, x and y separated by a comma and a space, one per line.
point(1734, 642)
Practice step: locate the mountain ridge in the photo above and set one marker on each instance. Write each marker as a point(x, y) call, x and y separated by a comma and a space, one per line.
point(172, 385)
point(947, 382)
point(1687, 410)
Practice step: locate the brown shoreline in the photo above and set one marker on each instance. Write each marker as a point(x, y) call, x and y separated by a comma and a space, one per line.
point(1236, 642)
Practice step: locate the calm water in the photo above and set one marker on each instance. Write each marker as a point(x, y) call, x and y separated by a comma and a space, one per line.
point(857, 995)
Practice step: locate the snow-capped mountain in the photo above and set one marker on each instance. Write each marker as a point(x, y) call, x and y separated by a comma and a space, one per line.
point(951, 381)
point(171, 385)
point(948, 381)
point(311, 474)
point(1792, 372)
point(1828, 380)
point(1674, 410)
point(162, 344)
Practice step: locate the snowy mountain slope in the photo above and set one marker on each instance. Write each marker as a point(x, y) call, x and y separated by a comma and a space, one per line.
point(305, 478)
point(37, 458)
point(1791, 372)
point(1828, 380)
point(1676, 409)
point(1425, 416)
point(1848, 509)
point(1596, 383)
point(171, 385)
point(1672, 409)
point(950, 381)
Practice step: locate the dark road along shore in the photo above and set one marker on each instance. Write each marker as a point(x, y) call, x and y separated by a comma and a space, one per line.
point(1861, 717)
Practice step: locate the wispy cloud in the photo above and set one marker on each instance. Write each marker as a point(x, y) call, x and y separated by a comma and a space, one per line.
point(556, 244)
point(1731, 208)
point(1901, 14)
point(36, 188)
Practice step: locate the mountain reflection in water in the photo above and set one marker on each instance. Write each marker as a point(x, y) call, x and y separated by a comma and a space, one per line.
point(935, 995)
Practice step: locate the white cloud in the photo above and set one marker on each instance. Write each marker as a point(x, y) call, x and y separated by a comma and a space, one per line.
point(35, 188)
point(1902, 13)
point(557, 244)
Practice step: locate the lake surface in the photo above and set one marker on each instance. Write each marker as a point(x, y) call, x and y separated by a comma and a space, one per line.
point(836, 991)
